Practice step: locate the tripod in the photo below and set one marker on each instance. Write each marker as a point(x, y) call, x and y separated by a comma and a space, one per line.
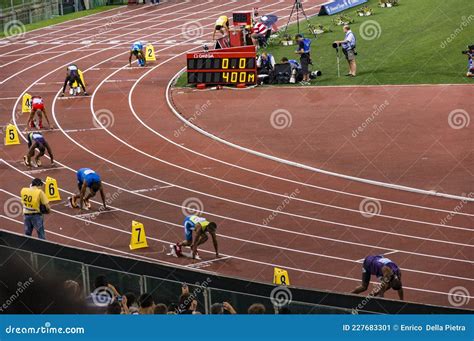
point(298, 7)
point(338, 62)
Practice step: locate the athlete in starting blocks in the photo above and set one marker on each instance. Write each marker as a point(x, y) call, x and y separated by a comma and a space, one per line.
point(137, 51)
point(201, 227)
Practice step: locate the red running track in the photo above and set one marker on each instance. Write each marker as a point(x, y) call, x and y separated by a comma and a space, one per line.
point(270, 213)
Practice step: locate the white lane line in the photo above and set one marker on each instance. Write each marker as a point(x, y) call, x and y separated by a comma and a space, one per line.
point(152, 189)
point(47, 83)
point(7, 98)
point(82, 129)
point(304, 166)
point(119, 80)
point(382, 254)
point(95, 213)
point(80, 49)
point(207, 263)
point(236, 257)
point(263, 226)
point(42, 170)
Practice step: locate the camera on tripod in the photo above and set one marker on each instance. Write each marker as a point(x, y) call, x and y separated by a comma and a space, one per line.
point(470, 50)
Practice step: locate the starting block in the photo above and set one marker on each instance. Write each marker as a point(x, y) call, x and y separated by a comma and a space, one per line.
point(184, 253)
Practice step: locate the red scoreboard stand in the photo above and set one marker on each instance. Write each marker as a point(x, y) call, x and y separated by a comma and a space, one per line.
point(232, 66)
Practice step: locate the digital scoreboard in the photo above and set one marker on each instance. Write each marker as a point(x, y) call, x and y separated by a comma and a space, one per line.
point(223, 67)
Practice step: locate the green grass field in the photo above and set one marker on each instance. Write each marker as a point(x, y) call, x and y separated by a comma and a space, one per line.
point(419, 41)
point(63, 18)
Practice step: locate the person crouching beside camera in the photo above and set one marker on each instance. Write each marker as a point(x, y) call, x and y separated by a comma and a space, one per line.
point(470, 63)
point(348, 47)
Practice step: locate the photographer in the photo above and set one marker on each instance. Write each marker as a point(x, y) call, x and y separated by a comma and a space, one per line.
point(265, 63)
point(348, 47)
point(304, 50)
point(470, 64)
point(35, 204)
point(296, 71)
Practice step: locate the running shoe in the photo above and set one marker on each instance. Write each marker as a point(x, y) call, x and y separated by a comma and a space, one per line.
point(72, 202)
point(38, 162)
point(87, 204)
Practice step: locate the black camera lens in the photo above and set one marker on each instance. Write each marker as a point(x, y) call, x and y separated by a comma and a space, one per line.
point(334, 45)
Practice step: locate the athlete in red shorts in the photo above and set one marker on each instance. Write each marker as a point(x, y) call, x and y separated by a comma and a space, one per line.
point(37, 108)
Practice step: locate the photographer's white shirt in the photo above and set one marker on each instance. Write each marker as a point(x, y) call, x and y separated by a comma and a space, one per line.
point(350, 41)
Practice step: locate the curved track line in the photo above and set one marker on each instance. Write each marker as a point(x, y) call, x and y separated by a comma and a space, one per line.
point(87, 37)
point(303, 166)
point(385, 249)
point(240, 258)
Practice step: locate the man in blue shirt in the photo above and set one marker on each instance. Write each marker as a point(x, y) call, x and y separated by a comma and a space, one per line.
point(348, 47)
point(137, 51)
point(87, 178)
point(304, 50)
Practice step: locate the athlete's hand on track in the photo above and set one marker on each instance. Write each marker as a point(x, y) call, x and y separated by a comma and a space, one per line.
point(62, 94)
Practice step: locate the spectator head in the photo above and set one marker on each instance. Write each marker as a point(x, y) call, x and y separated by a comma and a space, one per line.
point(284, 60)
point(217, 309)
point(256, 308)
point(298, 37)
point(347, 28)
point(264, 55)
point(185, 301)
point(100, 281)
point(160, 309)
point(146, 304)
point(114, 308)
point(131, 299)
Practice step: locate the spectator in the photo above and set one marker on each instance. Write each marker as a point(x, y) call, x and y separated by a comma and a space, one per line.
point(147, 305)
point(265, 63)
point(160, 309)
point(221, 308)
point(260, 34)
point(304, 50)
point(284, 310)
point(132, 303)
point(114, 308)
point(73, 290)
point(256, 308)
point(35, 204)
point(187, 304)
point(348, 47)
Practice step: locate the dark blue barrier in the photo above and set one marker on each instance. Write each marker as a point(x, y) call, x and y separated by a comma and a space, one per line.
point(337, 6)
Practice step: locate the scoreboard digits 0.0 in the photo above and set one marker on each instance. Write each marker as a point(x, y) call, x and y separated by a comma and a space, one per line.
point(225, 66)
